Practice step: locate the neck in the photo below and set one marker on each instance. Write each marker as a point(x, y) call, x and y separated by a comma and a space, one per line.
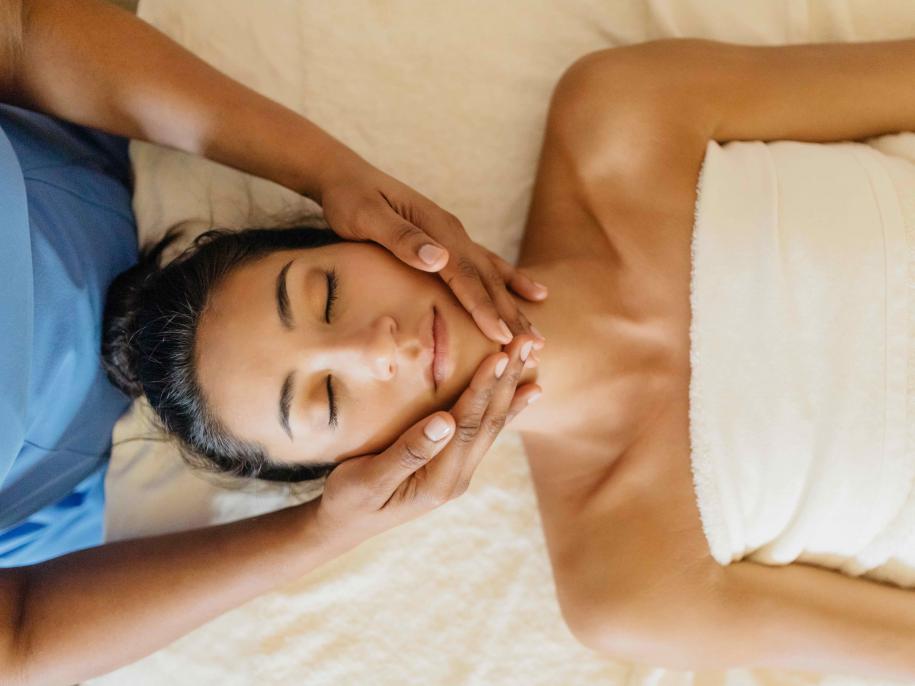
point(594, 365)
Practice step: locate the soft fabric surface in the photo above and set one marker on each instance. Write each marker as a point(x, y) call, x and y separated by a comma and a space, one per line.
point(451, 98)
point(799, 354)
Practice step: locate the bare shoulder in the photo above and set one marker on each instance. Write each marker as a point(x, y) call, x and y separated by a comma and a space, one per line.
point(636, 152)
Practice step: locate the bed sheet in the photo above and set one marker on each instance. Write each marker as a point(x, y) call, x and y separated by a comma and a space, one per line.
point(451, 98)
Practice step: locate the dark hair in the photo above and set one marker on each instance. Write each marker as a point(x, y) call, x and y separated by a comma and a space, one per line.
point(149, 329)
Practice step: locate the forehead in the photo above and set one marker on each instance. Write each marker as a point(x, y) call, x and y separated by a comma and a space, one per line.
point(236, 349)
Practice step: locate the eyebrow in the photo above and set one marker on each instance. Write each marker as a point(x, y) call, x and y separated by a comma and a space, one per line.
point(282, 299)
point(286, 402)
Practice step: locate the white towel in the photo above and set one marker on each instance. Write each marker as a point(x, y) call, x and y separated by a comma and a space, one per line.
point(800, 346)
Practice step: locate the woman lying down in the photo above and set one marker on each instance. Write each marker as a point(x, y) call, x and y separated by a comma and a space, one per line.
point(756, 366)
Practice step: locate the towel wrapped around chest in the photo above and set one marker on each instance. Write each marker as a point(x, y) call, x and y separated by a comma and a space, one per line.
point(800, 418)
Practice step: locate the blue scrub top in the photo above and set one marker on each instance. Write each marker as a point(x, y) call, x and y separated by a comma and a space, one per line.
point(65, 200)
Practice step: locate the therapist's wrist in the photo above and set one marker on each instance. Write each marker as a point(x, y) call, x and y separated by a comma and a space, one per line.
point(325, 542)
point(333, 165)
point(307, 159)
point(264, 138)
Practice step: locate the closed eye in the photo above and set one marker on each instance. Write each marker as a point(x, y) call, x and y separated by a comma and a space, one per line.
point(331, 294)
point(332, 404)
point(328, 312)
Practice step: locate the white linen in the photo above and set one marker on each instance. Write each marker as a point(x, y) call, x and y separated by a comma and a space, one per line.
point(451, 98)
point(800, 346)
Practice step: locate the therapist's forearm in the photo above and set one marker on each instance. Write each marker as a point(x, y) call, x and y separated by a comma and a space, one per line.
point(91, 611)
point(98, 65)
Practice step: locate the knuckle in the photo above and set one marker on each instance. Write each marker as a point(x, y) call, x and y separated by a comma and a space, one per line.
point(466, 431)
point(405, 233)
point(513, 375)
point(466, 267)
point(411, 458)
point(494, 423)
point(495, 278)
point(484, 395)
point(519, 322)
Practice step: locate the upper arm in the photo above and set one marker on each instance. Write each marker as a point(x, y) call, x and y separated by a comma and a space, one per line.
point(723, 91)
point(634, 151)
point(629, 557)
point(11, 34)
point(635, 580)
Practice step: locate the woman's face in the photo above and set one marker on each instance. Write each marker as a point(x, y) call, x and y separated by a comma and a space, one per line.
point(326, 353)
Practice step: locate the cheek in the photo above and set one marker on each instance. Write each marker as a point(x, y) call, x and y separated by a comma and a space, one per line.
point(380, 421)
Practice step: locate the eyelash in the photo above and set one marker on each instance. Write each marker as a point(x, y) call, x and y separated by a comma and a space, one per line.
point(331, 294)
point(332, 398)
point(328, 310)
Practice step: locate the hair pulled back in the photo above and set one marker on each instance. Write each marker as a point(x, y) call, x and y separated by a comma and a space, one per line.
point(149, 329)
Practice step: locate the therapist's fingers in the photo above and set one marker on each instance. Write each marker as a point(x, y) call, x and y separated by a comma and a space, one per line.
point(371, 205)
point(518, 280)
point(433, 484)
point(465, 277)
point(480, 414)
point(410, 243)
point(524, 286)
point(432, 462)
point(496, 414)
point(517, 321)
point(415, 448)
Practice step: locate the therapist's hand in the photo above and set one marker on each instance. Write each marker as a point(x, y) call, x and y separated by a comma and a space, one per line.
point(431, 463)
point(363, 203)
point(88, 62)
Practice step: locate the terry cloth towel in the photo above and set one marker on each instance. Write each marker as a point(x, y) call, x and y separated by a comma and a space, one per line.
point(800, 349)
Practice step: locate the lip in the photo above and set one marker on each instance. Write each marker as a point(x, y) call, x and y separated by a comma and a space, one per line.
point(430, 370)
point(441, 363)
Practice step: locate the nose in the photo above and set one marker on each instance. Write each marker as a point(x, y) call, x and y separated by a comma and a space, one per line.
point(373, 349)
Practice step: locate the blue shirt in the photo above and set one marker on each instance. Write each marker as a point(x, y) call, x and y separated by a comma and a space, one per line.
point(65, 200)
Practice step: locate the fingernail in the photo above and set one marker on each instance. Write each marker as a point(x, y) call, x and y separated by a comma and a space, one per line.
point(537, 333)
point(430, 254)
point(540, 287)
point(526, 350)
point(500, 367)
point(506, 332)
point(534, 398)
point(437, 429)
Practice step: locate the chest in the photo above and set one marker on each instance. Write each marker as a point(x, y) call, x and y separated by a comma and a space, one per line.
point(624, 302)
